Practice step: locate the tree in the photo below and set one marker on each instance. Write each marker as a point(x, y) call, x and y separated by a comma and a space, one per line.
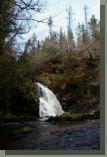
point(50, 24)
point(79, 37)
point(14, 18)
point(94, 28)
point(70, 40)
point(62, 40)
point(86, 15)
point(83, 38)
point(50, 44)
point(6, 22)
point(31, 44)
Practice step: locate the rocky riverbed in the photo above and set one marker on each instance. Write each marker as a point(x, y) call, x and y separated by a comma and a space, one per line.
point(38, 135)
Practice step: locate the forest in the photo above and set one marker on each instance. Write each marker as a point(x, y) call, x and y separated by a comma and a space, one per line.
point(69, 67)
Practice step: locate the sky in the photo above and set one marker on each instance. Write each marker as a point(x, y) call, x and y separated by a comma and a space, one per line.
point(58, 10)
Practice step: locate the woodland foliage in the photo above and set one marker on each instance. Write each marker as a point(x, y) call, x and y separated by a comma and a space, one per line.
point(70, 68)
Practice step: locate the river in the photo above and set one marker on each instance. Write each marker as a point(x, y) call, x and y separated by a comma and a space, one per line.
point(37, 135)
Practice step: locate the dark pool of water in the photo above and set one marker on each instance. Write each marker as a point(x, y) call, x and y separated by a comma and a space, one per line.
point(46, 136)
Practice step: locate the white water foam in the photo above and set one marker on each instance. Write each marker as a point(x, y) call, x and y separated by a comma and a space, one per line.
point(49, 106)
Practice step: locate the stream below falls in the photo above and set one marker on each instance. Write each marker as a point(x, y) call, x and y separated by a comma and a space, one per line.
point(38, 135)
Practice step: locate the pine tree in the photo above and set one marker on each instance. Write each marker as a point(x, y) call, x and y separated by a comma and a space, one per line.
point(62, 40)
point(83, 37)
point(94, 28)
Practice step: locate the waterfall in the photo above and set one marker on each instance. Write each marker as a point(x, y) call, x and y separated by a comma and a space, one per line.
point(49, 105)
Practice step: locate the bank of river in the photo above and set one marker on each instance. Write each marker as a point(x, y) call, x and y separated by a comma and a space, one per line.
point(39, 135)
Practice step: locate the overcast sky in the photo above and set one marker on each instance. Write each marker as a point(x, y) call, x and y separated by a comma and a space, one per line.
point(58, 10)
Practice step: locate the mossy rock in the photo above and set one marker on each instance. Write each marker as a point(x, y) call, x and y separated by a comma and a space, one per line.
point(67, 116)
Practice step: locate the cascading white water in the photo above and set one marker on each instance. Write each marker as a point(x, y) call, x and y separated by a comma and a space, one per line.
point(49, 105)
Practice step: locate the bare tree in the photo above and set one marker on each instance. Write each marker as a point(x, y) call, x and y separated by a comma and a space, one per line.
point(17, 16)
point(86, 15)
point(70, 40)
point(50, 24)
